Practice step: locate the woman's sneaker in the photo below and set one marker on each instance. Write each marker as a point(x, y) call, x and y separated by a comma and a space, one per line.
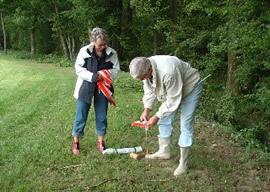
point(101, 146)
point(75, 147)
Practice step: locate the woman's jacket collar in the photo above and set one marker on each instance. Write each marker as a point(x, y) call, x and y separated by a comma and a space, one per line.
point(109, 51)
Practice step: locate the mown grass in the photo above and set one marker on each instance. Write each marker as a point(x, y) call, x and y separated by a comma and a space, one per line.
point(36, 115)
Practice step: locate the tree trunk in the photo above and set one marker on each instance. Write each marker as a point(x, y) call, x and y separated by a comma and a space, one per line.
point(63, 43)
point(232, 85)
point(154, 42)
point(90, 40)
point(71, 47)
point(62, 38)
point(174, 11)
point(32, 37)
point(4, 33)
point(119, 12)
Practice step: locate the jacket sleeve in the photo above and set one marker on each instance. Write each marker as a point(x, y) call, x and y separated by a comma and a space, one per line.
point(116, 67)
point(81, 71)
point(173, 85)
point(149, 97)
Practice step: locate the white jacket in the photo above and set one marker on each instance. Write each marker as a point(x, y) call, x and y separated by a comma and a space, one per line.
point(172, 80)
point(86, 68)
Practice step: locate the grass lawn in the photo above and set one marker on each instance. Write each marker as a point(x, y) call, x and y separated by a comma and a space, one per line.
point(37, 110)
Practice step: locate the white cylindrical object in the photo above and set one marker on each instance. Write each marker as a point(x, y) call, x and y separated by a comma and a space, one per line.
point(109, 151)
point(123, 150)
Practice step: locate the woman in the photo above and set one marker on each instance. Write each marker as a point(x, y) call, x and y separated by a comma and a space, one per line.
point(90, 61)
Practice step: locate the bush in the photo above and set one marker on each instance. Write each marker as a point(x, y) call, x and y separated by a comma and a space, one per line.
point(248, 115)
point(55, 59)
point(19, 54)
point(253, 137)
point(124, 66)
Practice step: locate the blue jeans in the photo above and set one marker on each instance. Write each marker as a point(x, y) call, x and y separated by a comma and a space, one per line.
point(82, 110)
point(188, 109)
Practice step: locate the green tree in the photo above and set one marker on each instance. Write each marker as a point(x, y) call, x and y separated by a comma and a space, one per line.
point(152, 21)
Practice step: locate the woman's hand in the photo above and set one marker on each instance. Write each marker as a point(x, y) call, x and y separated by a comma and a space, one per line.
point(99, 77)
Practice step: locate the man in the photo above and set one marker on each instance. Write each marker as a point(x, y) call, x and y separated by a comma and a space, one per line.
point(177, 85)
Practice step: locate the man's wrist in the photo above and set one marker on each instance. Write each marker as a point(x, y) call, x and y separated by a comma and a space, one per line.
point(147, 110)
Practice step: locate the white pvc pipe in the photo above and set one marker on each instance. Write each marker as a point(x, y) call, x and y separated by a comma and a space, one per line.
point(122, 150)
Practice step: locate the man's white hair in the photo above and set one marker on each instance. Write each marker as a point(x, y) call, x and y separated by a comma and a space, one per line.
point(139, 66)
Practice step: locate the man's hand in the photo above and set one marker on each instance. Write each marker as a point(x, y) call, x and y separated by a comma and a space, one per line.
point(145, 115)
point(152, 122)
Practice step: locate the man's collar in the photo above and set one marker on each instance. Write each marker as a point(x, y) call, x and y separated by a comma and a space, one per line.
point(154, 72)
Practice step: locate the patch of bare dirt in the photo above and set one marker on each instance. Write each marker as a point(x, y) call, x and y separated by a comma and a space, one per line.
point(249, 174)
